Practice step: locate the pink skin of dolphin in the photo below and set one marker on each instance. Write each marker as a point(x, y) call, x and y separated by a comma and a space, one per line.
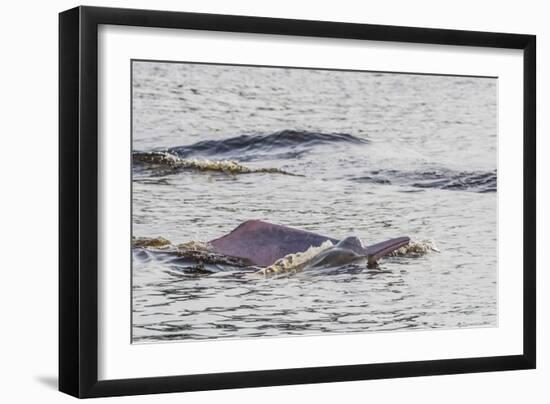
point(263, 243)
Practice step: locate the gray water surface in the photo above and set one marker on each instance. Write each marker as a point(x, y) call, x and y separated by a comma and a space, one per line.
point(376, 155)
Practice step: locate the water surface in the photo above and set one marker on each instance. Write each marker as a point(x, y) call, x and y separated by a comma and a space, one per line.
point(375, 155)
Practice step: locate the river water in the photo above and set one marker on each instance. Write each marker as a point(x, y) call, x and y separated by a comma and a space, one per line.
point(375, 155)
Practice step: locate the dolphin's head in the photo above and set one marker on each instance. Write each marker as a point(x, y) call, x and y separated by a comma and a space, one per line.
point(352, 243)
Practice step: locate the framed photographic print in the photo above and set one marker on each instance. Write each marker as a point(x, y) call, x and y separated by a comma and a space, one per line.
point(250, 201)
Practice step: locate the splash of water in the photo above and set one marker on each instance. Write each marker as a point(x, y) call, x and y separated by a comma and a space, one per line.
point(296, 261)
point(155, 242)
point(169, 161)
point(415, 249)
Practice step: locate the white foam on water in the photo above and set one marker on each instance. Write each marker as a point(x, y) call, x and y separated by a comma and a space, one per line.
point(296, 261)
point(415, 249)
point(166, 159)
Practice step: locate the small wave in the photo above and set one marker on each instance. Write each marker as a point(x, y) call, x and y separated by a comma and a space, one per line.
point(246, 147)
point(475, 181)
point(167, 161)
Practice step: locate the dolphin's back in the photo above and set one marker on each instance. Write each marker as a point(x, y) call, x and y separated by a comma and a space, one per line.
point(264, 243)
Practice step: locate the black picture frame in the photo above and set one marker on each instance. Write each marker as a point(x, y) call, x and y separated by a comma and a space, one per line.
point(78, 201)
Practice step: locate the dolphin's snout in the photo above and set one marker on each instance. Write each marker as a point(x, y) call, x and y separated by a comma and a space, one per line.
point(377, 251)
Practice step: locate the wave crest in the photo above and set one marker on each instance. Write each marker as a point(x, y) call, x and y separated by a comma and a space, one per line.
point(168, 161)
point(245, 144)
